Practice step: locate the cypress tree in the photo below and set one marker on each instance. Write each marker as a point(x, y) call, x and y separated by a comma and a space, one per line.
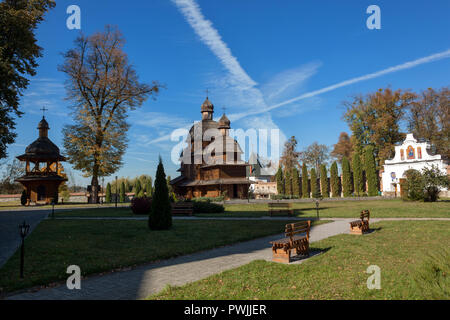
point(334, 181)
point(160, 217)
point(305, 185)
point(324, 181)
point(280, 180)
point(357, 174)
point(287, 182)
point(122, 192)
point(148, 188)
point(346, 177)
point(137, 188)
point(371, 172)
point(296, 191)
point(314, 186)
point(108, 193)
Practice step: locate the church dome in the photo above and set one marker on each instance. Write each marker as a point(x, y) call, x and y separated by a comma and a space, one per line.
point(207, 106)
point(43, 124)
point(224, 122)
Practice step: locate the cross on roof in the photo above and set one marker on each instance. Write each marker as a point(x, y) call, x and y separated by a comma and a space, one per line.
point(43, 110)
point(224, 109)
point(207, 92)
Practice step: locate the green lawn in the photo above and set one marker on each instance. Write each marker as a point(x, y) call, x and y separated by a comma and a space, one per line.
point(328, 209)
point(102, 245)
point(348, 209)
point(413, 256)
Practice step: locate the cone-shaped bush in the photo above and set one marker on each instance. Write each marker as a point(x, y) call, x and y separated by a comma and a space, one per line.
point(122, 192)
point(371, 171)
point(137, 187)
point(297, 192)
point(324, 181)
point(346, 178)
point(287, 182)
point(280, 180)
point(305, 184)
point(160, 217)
point(358, 181)
point(314, 185)
point(108, 193)
point(148, 188)
point(335, 181)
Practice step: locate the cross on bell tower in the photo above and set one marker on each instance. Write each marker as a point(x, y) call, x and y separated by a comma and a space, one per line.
point(43, 111)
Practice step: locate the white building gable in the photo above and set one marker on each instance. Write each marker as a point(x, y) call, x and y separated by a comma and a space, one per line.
point(410, 155)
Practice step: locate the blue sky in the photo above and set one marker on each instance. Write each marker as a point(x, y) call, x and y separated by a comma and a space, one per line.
point(251, 55)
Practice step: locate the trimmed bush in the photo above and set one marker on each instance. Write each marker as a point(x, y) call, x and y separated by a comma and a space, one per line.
point(324, 181)
point(122, 196)
point(334, 181)
point(141, 205)
point(346, 178)
point(23, 198)
point(371, 171)
point(305, 185)
point(207, 207)
point(160, 217)
point(108, 193)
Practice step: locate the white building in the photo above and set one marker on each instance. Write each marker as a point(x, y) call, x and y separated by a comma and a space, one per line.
point(410, 155)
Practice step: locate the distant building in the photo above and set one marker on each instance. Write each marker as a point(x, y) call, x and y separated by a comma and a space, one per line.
point(261, 175)
point(410, 155)
point(214, 166)
point(41, 179)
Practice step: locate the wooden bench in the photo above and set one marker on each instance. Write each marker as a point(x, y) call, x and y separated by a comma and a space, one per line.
point(297, 237)
point(280, 207)
point(362, 225)
point(183, 208)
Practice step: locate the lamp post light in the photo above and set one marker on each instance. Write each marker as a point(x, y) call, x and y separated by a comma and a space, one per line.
point(23, 231)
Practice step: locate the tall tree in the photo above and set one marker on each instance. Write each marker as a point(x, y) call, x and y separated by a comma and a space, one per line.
point(346, 178)
point(103, 87)
point(18, 58)
point(324, 181)
point(280, 180)
point(123, 195)
point(314, 155)
point(358, 181)
point(305, 184)
point(371, 171)
point(315, 190)
point(375, 119)
point(335, 181)
point(160, 217)
point(289, 159)
point(343, 148)
point(429, 118)
point(288, 182)
point(296, 190)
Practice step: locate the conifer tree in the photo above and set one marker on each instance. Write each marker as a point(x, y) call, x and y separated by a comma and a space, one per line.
point(122, 192)
point(324, 181)
point(160, 217)
point(280, 180)
point(314, 186)
point(358, 181)
point(288, 182)
point(335, 181)
point(346, 177)
point(137, 188)
point(296, 191)
point(305, 185)
point(371, 173)
point(108, 193)
point(148, 188)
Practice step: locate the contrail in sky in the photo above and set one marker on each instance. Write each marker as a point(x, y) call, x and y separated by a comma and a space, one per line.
point(403, 66)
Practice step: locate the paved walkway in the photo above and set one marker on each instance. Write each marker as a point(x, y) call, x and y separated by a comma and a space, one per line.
point(152, 278)
point(9, 230)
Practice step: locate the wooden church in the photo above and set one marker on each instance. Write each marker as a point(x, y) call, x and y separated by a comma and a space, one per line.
point(41, 179)
point(211, 164)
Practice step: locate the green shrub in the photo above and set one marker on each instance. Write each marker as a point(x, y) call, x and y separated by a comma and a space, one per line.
point(108, 193)
point(141, 205)
point(23, 198)
point(160, 217)
point(206, 206)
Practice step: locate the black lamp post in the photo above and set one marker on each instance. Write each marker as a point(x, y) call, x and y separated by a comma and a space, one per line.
point(317, 209)
point(23, 230)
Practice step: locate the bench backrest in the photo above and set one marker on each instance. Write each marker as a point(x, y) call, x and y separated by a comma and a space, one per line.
point(280, 205)
point(296, 228)
point(365, 214)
